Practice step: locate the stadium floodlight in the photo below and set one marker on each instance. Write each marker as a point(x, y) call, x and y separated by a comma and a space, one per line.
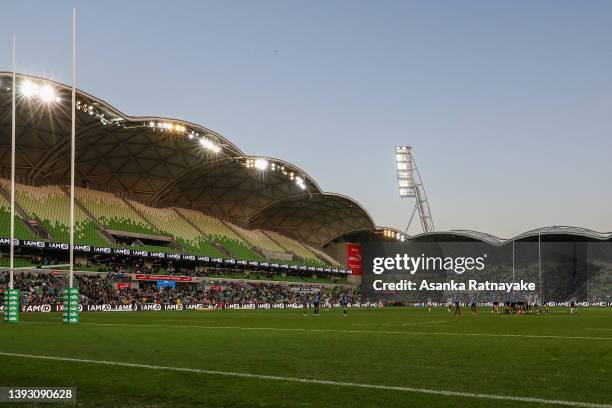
point(173, 127)
point(261, 164)
point(410, 185)
point(300, 182)
point(209, 145)
point(46, 93)
point(28, 88)
point(391, 234)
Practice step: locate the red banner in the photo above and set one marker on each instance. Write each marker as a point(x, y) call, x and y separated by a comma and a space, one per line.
point(163, 277)
point(353, 259)
point(124, 285)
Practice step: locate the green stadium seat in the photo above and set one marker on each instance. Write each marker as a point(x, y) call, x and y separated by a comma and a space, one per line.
point(21, 230)
point(216, 230)
point(170, 222)
point(113, 212)
point(310, 255)
point(50, 205)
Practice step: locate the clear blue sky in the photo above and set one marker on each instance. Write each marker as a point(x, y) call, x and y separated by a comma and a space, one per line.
point(508, 104)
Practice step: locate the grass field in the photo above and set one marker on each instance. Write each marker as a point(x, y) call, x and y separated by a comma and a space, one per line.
point(404, 357)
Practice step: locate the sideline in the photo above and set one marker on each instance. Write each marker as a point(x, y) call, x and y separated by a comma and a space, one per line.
point(532, 336)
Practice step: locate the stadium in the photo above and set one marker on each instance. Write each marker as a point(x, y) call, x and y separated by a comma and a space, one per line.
point(165, 189)
point(175, 223)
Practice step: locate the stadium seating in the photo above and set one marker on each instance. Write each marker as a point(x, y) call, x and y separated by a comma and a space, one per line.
point(21, 231)
point(18, 262)
point(170, 222)
point(258, 239)
point(197, 233)
point(50, 205)
point(113, 212)
point(296, 248)
point(322, 255)
point(217, 231)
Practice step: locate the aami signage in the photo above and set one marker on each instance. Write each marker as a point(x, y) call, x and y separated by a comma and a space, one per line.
point(353, 258)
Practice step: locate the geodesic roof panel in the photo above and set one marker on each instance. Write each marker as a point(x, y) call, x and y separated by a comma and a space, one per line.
point(313, 218)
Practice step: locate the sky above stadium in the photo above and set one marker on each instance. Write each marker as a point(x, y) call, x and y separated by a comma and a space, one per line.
point(508, 105)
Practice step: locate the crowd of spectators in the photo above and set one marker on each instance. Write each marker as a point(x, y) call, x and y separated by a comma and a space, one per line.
point(42, 288)
point(118, 289)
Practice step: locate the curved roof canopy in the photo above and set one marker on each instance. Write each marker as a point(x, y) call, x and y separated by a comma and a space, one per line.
point(164, 162)
point(545, 233)
point(318, 218)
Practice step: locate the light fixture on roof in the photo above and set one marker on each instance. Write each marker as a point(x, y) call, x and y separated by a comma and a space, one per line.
point(46, 93)
point(261, 164)
point(173, 127)
point(29, 88)
point(209, 145)
point(391, 234)
point(388, 233)
point(300, 182)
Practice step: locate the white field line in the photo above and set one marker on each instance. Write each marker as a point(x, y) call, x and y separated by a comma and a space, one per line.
point(401, 324)
point(444, 393)
point(527, 336)
point(597, 328)
point(424, 323)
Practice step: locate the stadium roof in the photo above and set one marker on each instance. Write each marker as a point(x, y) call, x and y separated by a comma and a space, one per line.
point(165, 162)
point(317, 218)
point(547, 233)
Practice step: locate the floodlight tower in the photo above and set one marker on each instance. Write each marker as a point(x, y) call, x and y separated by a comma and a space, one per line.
point(410, 185)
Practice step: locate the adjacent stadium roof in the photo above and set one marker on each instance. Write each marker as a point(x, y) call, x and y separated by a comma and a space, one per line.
point(164, 162)
point(561, 233)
